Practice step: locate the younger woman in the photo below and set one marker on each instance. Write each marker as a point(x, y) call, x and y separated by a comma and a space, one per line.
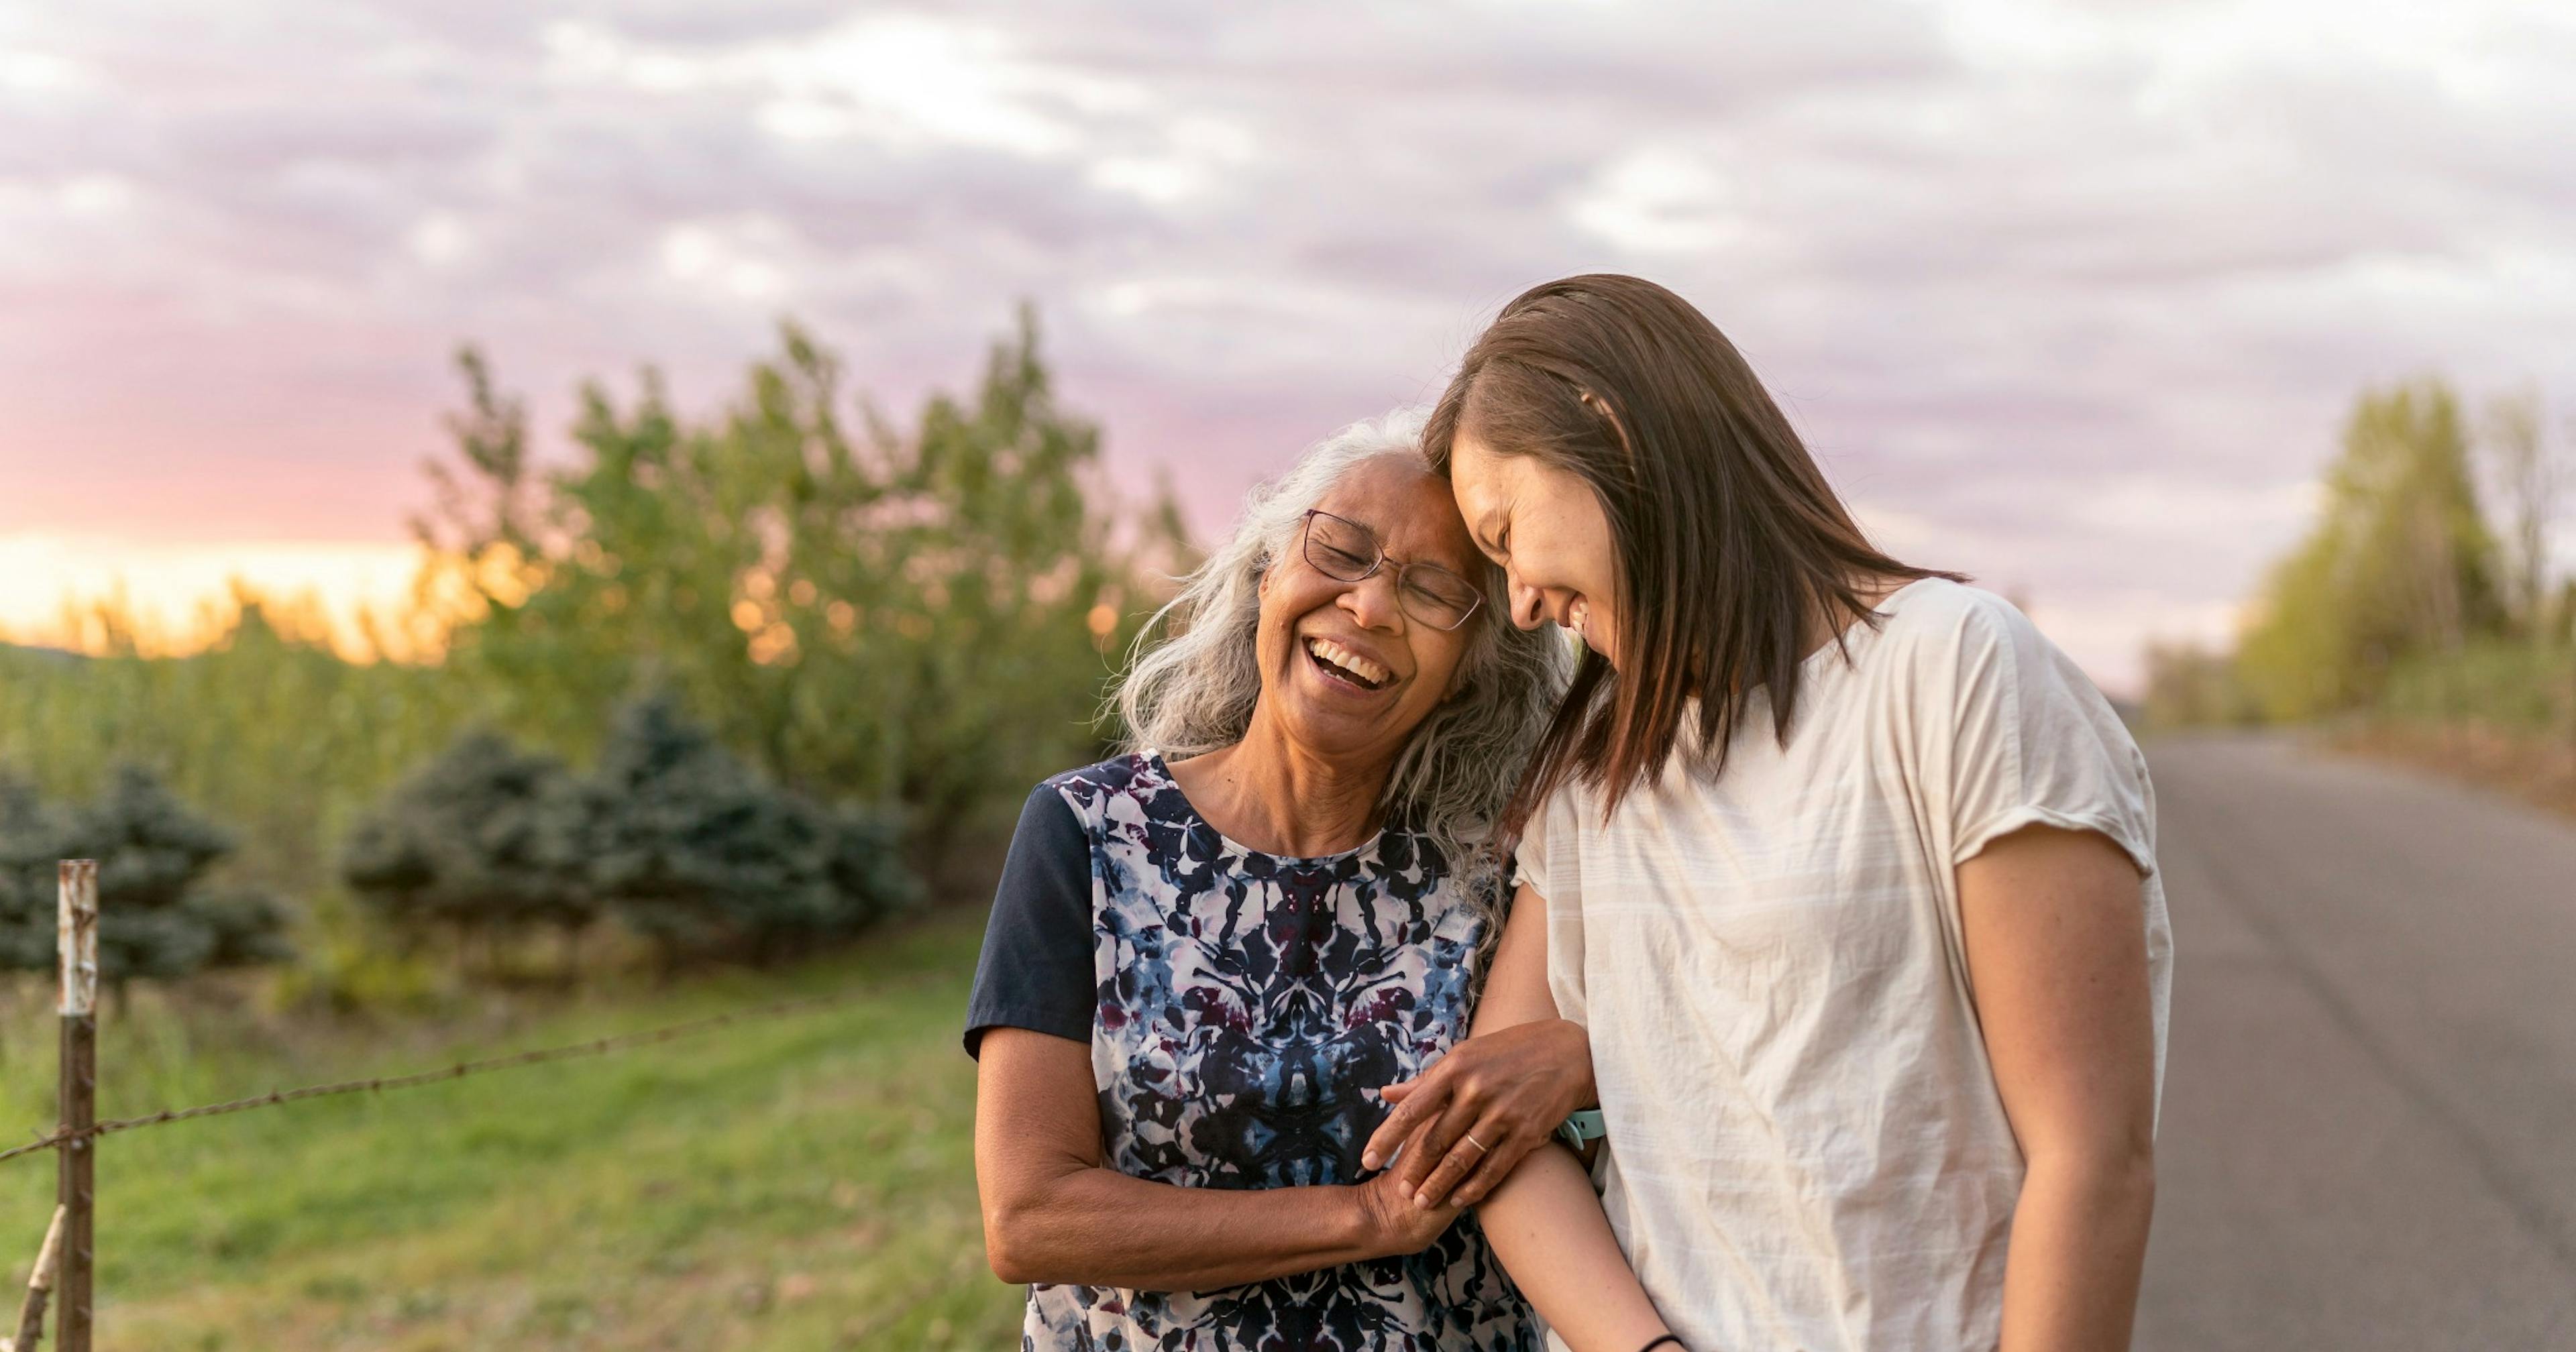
point(1848, 873)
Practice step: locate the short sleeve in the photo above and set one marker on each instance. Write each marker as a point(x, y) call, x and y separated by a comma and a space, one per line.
point(1035, 970)
point(2035, 743)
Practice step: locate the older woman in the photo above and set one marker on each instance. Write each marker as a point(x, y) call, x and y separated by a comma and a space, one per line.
point(1207, 954)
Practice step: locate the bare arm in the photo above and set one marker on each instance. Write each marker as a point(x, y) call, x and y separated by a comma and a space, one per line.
point(2056, 951)
point(1544, 1221)
point(1054, 1213)
point(1467, 1121)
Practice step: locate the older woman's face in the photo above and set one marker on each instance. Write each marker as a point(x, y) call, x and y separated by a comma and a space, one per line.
point(1346, 669)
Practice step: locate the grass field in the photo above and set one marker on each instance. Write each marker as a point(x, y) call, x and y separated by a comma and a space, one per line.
point(799, 1183)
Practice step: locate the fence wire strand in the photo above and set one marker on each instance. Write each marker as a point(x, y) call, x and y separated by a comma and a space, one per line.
point(458, 1071)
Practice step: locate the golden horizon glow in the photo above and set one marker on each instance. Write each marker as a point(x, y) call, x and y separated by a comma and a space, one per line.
point(178, 598)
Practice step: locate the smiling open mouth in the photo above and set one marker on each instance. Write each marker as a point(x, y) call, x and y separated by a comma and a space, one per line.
point(1343, 664)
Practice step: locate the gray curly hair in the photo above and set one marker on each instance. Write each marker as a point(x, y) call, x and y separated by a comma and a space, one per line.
point(1193, 676)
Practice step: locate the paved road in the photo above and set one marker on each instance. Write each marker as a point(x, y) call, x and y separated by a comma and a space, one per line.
point(2369, 1130)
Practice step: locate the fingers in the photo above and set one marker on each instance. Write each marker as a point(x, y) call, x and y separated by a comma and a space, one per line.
point(1490, 1174)
point(1430, 1143)
point(1431, 1147)
point(1478, 1149)
point(1416, 1101)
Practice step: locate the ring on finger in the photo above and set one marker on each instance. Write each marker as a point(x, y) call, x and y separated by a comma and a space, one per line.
point(1471, 1140)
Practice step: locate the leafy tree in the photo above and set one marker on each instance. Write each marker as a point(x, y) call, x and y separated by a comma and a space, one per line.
point(2399, 562)
point(702, 858)
point(2528, 479)
point(911, 618)
point(485, 840)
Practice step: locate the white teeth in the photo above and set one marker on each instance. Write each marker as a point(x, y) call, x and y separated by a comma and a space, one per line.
point(1348, 661)
point(1579, 615)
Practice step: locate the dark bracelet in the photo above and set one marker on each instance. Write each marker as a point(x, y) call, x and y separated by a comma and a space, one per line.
point(1673, 1338)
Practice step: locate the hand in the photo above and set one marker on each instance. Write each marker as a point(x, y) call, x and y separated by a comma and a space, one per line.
point(1507, 1089)
point(1394, 1223)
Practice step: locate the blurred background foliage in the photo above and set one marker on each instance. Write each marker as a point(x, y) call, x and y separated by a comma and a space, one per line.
point(736, 684)
point(2422, 602)
point(729, 686)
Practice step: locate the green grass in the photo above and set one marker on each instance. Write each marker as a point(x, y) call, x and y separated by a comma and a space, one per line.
point(798, 1183)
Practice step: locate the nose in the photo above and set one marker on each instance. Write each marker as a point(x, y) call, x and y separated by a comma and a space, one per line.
point(1371, 601)
point(1528, 607)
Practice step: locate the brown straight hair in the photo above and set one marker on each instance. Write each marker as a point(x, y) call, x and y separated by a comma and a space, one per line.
point(1731, 546)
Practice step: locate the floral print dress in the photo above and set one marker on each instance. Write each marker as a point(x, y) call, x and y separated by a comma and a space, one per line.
point(1239, 1005)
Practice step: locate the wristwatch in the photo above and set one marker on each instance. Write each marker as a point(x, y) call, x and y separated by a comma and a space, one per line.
point(1580, 1127)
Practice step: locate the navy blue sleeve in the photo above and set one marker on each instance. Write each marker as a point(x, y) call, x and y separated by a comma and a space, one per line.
point(1035, 971)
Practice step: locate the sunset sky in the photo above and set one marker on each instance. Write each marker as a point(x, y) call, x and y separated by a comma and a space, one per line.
point(2071, 296)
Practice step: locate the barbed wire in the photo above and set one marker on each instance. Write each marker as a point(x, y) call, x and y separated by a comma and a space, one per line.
point(458, 1071)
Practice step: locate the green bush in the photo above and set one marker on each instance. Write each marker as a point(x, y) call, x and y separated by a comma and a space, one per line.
point(486, 841)
point(2500, 682)
point(699, 856)
point(157, 917)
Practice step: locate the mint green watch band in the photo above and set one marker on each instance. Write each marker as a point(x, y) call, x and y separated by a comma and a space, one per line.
point(1581, 1127)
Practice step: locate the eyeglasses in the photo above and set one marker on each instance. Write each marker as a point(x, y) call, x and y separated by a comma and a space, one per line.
point(1347, 551)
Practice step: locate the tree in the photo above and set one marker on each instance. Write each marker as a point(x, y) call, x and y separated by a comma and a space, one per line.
point(157, 917)
point(918, 619)
point(699, 856)
point(486, 840)
point(31, 837)
point(2191, 686)
point(2527, 477)
point(2399, 562)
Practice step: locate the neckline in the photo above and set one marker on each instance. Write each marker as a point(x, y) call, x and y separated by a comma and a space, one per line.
point(1163, 768)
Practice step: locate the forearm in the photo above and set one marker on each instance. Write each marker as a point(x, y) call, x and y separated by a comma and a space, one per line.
point(2079, 1241)
point(1547, 1228)
point(1099, 1227)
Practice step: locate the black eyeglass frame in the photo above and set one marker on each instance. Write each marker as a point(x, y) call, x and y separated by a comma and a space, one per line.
point(1306, 548)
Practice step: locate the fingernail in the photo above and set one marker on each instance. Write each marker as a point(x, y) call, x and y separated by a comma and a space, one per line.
point(1368, 1160)
point(1422, 1200)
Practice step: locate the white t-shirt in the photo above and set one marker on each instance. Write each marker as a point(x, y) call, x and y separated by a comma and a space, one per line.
point(1806, 1148)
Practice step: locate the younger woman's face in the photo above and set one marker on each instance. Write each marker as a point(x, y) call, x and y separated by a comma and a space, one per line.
point(1547, 530)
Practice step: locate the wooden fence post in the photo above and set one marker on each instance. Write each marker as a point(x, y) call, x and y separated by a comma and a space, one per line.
point(40, 1284)
point(77, 937)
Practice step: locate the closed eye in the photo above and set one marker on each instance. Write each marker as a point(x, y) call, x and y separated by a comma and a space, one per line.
point(1344, 559)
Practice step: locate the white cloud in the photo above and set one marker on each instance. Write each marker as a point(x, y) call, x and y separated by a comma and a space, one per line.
point(1661, 200)
point(97, 195)
point(42, 74)
point(1198, 155)
point(902, 80)
point(737, 259)
point(439, 238)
